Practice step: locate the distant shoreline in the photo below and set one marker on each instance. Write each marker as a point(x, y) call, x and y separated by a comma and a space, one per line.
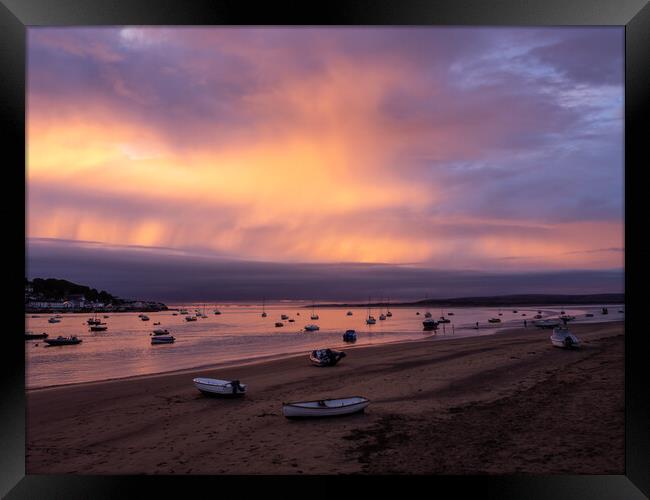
point(502, 300)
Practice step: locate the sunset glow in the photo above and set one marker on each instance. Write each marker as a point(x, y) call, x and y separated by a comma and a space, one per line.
point(493, 149)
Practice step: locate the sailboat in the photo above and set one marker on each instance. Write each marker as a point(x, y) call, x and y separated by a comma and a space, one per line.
point(263, 310)
point(370, 320)
point(313, 314)
point(217, 311)
point(388, 313)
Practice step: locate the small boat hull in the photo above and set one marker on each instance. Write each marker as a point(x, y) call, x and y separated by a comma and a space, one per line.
point(326, 357)
point(325, 408)
point(564, 339)
point(62, 341)
point(216, 387)
point(162, 339)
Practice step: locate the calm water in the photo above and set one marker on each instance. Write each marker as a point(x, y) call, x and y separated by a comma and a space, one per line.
point(240, 333)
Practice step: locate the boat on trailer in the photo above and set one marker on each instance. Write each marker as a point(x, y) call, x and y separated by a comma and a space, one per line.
point(213, 386)
point(325, 407)
point(563, 338)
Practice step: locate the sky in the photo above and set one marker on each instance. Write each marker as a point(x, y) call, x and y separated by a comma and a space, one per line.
point(488, 151)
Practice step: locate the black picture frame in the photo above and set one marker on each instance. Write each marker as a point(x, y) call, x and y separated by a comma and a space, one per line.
point(17, 15)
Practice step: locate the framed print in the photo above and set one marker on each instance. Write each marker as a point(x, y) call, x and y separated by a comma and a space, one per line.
point(365, 244)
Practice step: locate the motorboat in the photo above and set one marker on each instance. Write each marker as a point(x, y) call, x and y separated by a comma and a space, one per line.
point(162, 339)
point(325, 407)
point(35, 336)
point(174, 314)
point(350, 336)
point(54, 320)
point(106, 316)
point(389, 314)
point(547, 323)
point(538, 316)
point(382, 317)
point(326, 357)
point(494, 320)
point(291, 320)
point(144, 317)
point(417, 313)
point(156, 323)
point(63, 341)
point(311, 328)
point(563, 338)
point(100, 327)
point(213, 386)
point(183, 311)
point(217, 311)
point(427, 314)
point(604, 310)
point(370, 320)
point(314, 316)
point(451, 313)
point(284, 316)
point(567, 317)
point(430, 324)
point(514, 311)
point(279, 323)
point(160, 331)
point(190, 318)
point(444, 320)
point(349, 313)
point(523, 314)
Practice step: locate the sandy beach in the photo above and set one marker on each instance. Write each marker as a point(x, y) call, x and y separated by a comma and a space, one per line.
point(493, 404)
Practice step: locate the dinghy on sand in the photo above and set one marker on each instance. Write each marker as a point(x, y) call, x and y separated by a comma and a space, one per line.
point(213, 386)
point(563, 338)
point(325, 407)
point(326, 357)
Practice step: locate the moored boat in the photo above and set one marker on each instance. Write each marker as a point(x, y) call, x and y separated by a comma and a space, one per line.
point(99, 327)
point(63, 341)
point(444, 320)
point(34, 336)
point(382, 317)
point(326, 357)
point(284, 316)
point(494, 320)
point(160, 331)
point(190, 318)
point(349, 313)
point(547, 323)
point(311, 328)
point(430, 324)
point(350, 336)
point(162, 339)
point(213, 386)
point(370, 320)
point(144, 317)
point(279, 324)
point(54, 320)
point(325, 407)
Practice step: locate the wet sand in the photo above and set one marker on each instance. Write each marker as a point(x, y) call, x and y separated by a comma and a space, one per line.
point(494, 404)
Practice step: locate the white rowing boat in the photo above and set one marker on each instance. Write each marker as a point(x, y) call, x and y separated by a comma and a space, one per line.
point(219, 387)
point(325, 407)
